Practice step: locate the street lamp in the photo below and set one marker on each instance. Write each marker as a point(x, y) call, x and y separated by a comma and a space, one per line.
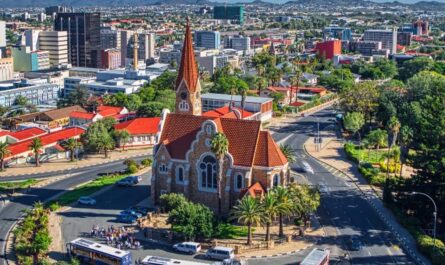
point(434, 214)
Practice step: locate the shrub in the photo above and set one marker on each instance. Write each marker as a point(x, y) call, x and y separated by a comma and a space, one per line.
point(129, 162)
point(349, 150)
point(278, 114)
point(393, 167)
point(172, 201)
point(372, 174)
point(54, 206)
point(146, 162)
point(131, 169)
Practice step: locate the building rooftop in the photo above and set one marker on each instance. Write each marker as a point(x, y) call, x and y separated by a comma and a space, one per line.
point(225, 97)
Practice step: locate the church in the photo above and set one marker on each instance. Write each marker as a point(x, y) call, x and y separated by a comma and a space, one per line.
point(183, 161)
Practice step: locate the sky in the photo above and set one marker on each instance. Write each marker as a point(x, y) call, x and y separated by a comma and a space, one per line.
point(284, 1)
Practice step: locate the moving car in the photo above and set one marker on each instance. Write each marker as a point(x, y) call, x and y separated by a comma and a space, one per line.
point(130, 212)
point(307, 168)
point(126, 182)
point(220, 253)
point(136, 179)
point(85, 200)
point(125, 218)
point(188, 247)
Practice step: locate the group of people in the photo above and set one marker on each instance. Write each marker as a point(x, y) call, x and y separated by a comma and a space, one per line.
point(119, 237)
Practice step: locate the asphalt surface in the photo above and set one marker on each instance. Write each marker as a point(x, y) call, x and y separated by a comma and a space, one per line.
point(12, 211)
point(343, 212)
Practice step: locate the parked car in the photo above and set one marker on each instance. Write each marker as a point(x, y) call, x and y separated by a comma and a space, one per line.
point(130, 212)
point(187, 247)
point(85, 200)
point(125, 218)
point(355, 244)
point(231, 262)
point(136, 179)
point(126, 182)
point(140, 209)
point(220, 253)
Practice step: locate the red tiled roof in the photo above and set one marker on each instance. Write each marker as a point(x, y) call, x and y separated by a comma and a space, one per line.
point(140, 126)
point(268, 153)
point(297, 103)
point(225, 112)
point(107, 111)
point(3, 133)
point(82, 115)
point(188, 70)
point(253, 190)
point(28, 133)
point(21, 147)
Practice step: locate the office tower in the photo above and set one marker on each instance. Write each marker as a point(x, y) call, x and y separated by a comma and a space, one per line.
point(26, 60)
point(51, 10)
point(32, 39)
point(111, 58)
point(334, 32)
point(56, 43)
point(328, 49)
point(388, 37)
point(421, 27)
point(110, 38)
point(6, 69)
point(146, 46)
point(126, 36)
point(404, 38)
point(207, 39)
point(239, 43)
point(233, 13)
point(41, 17)
point(83, 37)
point(366, 48)
point(2, 34)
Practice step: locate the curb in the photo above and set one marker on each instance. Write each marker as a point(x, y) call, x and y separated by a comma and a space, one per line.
point(280, 254)
point(368, 198)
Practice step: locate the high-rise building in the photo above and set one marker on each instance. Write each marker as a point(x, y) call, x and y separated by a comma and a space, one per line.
point(146, 46)
point(336, 32)
point(239, 43)
point(328, 49)
point(32, 39)
point(232, 13)
point(111, 58)
point(6, 69)
point(421, 27)
point(367, 48)
point(83, 37)
point(2, 34)
point(26, 60)
point(207, 39)
point(126, 36)
point(404, 38)
point(56, 43)
point(51, 10)
point(110, 38)
point(388, 37)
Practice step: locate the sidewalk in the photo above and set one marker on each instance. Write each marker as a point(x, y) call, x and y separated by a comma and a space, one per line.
point(333, 156)
point(64, 164)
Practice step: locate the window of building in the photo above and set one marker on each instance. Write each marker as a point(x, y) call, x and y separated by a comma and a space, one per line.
point(208, 174)
point(209, 129)
point(180, 174)
point(239, 182)
point(276, 180)
point(183, 106)
point(163, 168)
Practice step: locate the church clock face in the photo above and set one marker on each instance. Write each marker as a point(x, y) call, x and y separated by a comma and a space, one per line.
point(183, 95)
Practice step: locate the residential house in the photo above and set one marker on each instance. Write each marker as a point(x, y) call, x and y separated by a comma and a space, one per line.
point(142, 131)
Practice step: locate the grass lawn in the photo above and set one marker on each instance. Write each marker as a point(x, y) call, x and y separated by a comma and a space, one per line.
point(229, 231)
point(372, 156)
point(9, 186)
point(88, 189)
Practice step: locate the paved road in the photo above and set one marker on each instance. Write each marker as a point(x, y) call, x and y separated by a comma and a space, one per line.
point(344, 212)
point(10, 212)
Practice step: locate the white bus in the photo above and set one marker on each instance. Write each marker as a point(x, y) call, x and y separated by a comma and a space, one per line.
point(90, 252)
point(153, 260)
point(317, 256)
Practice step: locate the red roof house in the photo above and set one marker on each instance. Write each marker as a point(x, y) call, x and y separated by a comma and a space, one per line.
point(142, 131)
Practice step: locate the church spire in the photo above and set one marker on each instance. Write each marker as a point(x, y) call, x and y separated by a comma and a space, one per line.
point(188, 70)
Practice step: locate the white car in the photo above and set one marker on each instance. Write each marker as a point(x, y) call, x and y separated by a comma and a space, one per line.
point(188, 247)
point(307, 168)
point(85, 200)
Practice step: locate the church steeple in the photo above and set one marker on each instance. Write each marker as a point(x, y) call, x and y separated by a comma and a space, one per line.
point(188, 88)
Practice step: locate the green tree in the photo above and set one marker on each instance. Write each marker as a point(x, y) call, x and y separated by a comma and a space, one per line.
point(305, 200)
point(4, 152)
point(77, 97)
point(406, 136)
point(146, 94)
point(248, 211)
point(229, 85)
point(36, 146)
point(284, 203)
point(71, 145)
point(108, 123)
point(338, 80)
point(271, 209)
point(288, 152)
point(97, 138)
point(133, 102)
point(377, 138)
point(21, 100)
point(122, 138)
point(412, 67)
point(105, 143)
point(171, 201)
point(362, 97)
point(150, 109)
point(387, 67)
point(353, 122)
point(219, 146)
point(166, 81)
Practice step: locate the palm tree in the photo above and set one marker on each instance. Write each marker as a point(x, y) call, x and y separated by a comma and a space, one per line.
point(105, 143)
point(271, 209)
point(288, 152)
point(248, 211)
point(406, 135)
point(261, 83)
point(284, 203)
point(4, 151)
point(394, 128)
point(219, 146)
point(71, 145)
point(35, 146)
point(122, 137)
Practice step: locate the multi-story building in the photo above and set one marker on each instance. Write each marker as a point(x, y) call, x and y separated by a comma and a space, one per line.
point(404, 38)
point(421, 27)
point(232, 13)
point(111, 58)
point(366, 48)
point(51, 10)
point(388, 38)
point(72, 83)
point(207, 39)
point(328, 49)
point(146, 47)
point(2, 35)
point(239, 43)
point(37, 92)
point(32, 39)
point(27, 60)
point(83, 37)
point(126, 36)
point(6, 69)
point(170, 55)
point(110, 38)
point(56, 43)
point(114, 86)
point(335, 32)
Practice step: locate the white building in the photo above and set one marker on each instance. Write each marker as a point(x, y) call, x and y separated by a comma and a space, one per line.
point(115, 86)
point(71, 83)
point(6, 69)
point(32, 39)
point(37, 91)
point(388, 37)
point(56, 43)
point(2, 34)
